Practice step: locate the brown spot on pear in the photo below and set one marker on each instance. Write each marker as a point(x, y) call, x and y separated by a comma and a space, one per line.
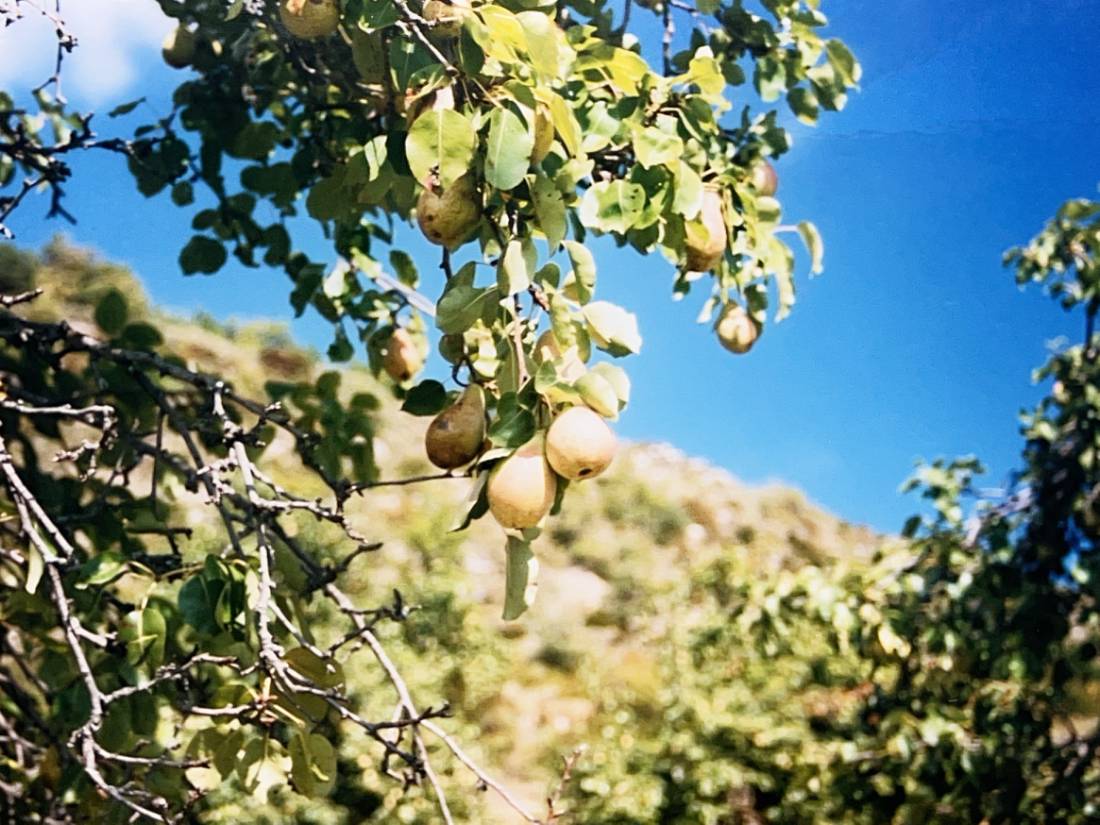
point(544, 133)
point(579, 444)
point(448, 215)
point(178, 48)
point(704, 250)
point(765, 180)
point(455, 436)
point(521, 488)
point(736, 329)
point(309, 19)
point(401, 359)
point(447, 15)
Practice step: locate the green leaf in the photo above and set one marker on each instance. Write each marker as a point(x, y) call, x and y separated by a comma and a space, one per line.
point(312, 764)
point(516, 267)
point(814, 245)
point(462, 303)
point(426, 398)
point(102, 569)
point(202, 254)
point(36, 566)
point(403, 265)
point(612, 206)
point(521, 583)
point(125, 108)
point(581, 284)
point(844, 62)
point(111, 312)
point(542, 42)
point(550, 210)
point(612, 328)
point(198, 599)
point(514, 425)
point(618, 379)
point(444, 141)
point(654, 147)
point(508, 151)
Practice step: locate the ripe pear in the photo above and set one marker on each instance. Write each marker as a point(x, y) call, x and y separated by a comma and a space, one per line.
point(521, 488)
point(705, 252)
point(544, 133)
point(579, 444)
point(310, 18)
point(447, 15)
point(765, 180)
point(401, 359)
point(455, 436)
point(178, 47)
point(736, 329)
point(448, 216)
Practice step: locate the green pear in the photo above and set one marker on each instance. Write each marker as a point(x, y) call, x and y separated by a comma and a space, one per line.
point(455, 436)
point(736, 329)
point(579, 444)
point(765, 180)
point(448, 215)
point(522, 487)
point(178, 47)
point(401, 359)
point(447, 15)
point(705, 250)
point(309, 19)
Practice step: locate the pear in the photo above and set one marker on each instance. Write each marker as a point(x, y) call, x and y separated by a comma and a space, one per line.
point(310, 18)
point(178, 47)
point(455, 436)
point(448, 216)
point(704, 252)
point(579, 444)
point(401, 359)
point(544, 133)
point(521, 488)
point(447, 15)
point(765, 180)
point(736, 329)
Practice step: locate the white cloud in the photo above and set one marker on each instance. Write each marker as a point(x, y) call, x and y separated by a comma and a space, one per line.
point(117, 41)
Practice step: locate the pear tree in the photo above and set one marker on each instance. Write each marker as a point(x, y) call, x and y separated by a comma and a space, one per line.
point(512, 135)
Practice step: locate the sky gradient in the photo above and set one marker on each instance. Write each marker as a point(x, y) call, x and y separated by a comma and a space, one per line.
point(974, 122)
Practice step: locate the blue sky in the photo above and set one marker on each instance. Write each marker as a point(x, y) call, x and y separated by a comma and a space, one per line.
point(975, 121)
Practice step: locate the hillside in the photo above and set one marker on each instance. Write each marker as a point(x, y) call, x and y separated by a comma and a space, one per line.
point(639, 559)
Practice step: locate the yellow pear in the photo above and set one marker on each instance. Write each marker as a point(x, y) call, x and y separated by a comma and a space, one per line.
point(736, 329)
point(521, 488)
point(447, 15)
point(544, 133)
point(765, 180)
point(401, 359)
point(706, 250)
point(178, 47)
point(448, 216)
point(579, 444)
point(455, 436)
point(310, 18)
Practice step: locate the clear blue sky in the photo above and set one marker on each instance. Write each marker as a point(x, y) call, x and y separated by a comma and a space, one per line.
point(974, 122)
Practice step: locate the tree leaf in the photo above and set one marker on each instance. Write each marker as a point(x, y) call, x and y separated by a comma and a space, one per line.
point(814, 245)
point(508, 150)
point(549, 209)
point(426, 398)
point(111, 312)
point(441, 140)
point(581, 284)
point(612, 328)
point(612, 206)
point(202, 254)
point(521, 578)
